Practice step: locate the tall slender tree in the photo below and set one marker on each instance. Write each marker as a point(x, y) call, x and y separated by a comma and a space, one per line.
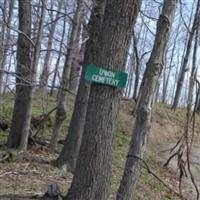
point(45, 72)
point(193, 75)
point(168, 75)
point(5, 46)
point(2, 39)
point(75, 69)
point(145, 100)
point(186, 58)
point(59, 57)
point(137, 68)
point(21, 118)
point(70, 151)
point(93, 170)
point(62, 94)
point(36, 53)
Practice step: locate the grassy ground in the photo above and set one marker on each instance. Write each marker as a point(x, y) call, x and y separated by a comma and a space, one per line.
point(29, 173)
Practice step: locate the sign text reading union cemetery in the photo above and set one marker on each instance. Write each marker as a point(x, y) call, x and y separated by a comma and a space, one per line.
point(103, 76)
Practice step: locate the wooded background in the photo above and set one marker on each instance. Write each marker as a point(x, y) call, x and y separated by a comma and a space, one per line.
point(46, 46)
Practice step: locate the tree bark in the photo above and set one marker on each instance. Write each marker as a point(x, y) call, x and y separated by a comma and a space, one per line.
point(185, 61)
point(18, 136)
point(70, 151)
point(61, 108)
point(145, 101)
point(93, 170)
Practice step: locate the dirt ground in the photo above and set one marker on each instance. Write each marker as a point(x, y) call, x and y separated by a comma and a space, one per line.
point(28, 174)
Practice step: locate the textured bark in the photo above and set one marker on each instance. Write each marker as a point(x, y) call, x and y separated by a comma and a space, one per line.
point(45, 73)
point(61, 108)
point(5, 45)
point(145, 101)
point(74, 77)
point(93, 170)
point(70, 151)
point(18, 136)
point(185, 61)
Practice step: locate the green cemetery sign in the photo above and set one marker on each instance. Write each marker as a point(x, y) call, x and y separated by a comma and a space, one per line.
point(107, 77)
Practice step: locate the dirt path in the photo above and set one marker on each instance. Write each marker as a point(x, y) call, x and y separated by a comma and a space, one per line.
point(188, 188)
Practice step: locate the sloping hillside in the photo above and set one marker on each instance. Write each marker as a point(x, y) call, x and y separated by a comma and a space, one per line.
point(29, 173)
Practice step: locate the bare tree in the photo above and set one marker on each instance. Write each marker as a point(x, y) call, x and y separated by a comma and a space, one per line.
point(19, 132)
point(2, 37)
point(167, 75)
point(45, 73)
point(37, 47)
point(186, 58)
point(75, 69)
point(70, 151)
point(137, 68)
point(5, 41)
point(93, 170)
point(59, 57)
point(61, 100)
point(145, 101)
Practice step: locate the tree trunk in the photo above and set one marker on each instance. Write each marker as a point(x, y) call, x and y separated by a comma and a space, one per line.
point(61, 108)
point(37, 47)
point(5, 47)
point(193, 74)
point(58, 59)
point(137, 68)
point(164, 78)
point(45, 73)
point(185, 61)
point(179, 64)
point(93, 170)
point(131, 71)
point(70, 151)
point(2, 38)
point(18, 136)
point(144, 103)
point(75, 69)
point(171, 62)
point(7, 76)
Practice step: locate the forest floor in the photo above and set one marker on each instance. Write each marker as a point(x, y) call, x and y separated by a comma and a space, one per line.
point(27, 174)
